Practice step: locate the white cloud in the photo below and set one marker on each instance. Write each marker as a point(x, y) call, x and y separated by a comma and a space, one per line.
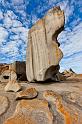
point(3, 35)
point(10, 14)
point(16, 23)
point(13, 38)
point(74, 62)
point(18, 2)
point(67, 9)
point(1, 15)
point(71, 45)
point(73, 42)
point(7, 22)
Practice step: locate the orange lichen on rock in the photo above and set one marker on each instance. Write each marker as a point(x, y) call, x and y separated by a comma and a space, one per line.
point(57, 100)
point(64, 112)
point(28, 93)
point(20, 119)
point(31, 112)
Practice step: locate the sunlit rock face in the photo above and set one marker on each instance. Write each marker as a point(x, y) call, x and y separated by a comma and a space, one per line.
point(43, 52)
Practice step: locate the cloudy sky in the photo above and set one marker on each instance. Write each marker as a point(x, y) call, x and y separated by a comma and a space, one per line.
point(17, 16)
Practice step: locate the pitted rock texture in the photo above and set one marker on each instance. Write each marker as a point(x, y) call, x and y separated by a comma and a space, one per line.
point(31, 112)
point(3, 67)
point(4, 76)
point(4, 104)
point(43, 52)
point(28, 93)
point(8, 75)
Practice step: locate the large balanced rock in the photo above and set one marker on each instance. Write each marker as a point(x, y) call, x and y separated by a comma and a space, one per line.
point(43, 53)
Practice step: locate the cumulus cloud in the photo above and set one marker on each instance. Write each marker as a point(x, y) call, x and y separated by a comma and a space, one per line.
point(12, 39)
point(3, 35)
point(71, 45)
point(67, 8)
point(74, 62)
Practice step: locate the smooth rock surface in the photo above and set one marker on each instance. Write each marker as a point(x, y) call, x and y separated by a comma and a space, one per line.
point(43, 52)
point(36, 110)
point(28, 93)
point(12, 86)
point(4, 104)
point(19, 119)
point(73, 98)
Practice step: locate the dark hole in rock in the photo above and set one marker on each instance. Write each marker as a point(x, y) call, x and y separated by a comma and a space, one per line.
point(51, 72)
point(6, 77)
point(19, 76)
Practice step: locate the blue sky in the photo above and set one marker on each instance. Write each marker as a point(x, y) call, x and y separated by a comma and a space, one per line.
point(17, 16)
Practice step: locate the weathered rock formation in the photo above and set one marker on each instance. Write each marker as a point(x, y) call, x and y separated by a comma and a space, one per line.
point(4, 73)
point(29, 93)
point(31, 112)
point(50, 106)
point(43, 53)
point(69, 73)
point(12, 84)
point(3, 67)
point(20, 68)
point(4, 76)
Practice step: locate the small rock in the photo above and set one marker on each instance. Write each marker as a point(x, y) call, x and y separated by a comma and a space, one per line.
point(69, 73)
point(27, 94)
point(35, 110)
point(4, 103)
point(13, 86)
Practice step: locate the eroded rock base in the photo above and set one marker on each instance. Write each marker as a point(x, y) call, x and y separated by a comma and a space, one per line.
point(49, 103)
